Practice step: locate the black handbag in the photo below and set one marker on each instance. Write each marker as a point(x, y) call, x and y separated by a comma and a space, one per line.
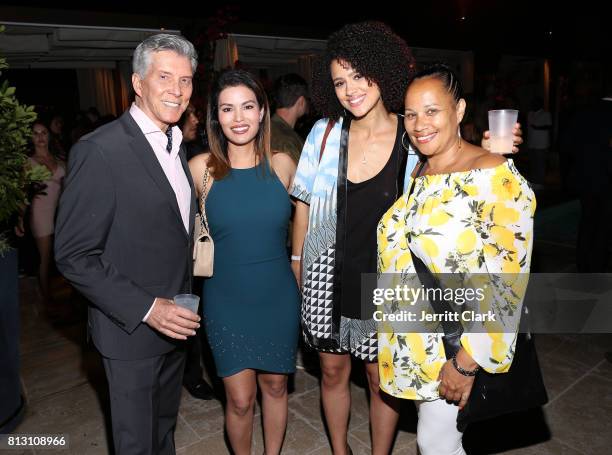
point(520, 388)
point(492, 395)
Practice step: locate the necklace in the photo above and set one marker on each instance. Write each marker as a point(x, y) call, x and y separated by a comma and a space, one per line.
point(364, 160)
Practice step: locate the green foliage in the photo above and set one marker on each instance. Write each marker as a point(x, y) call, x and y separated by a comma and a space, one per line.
point(15, 177)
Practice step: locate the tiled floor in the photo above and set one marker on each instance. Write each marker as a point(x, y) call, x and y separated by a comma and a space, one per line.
point(65, 388)
point(66, 392)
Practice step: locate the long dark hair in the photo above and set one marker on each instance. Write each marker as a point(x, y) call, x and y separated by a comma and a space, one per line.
point(219, 161)
point(31, 149)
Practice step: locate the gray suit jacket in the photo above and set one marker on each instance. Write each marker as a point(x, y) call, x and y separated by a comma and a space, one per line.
point(120, 239)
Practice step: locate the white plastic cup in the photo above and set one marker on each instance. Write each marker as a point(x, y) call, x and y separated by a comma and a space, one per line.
point(189, 301)
point(501, 122)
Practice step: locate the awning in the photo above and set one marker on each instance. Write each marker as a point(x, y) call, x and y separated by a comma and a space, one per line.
point(30, 45)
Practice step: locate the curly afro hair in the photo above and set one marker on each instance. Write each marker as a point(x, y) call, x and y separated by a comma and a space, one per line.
point(376, 53)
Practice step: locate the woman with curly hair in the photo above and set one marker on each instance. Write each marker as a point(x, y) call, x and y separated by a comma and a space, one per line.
point(342, 190)
point(352, 169)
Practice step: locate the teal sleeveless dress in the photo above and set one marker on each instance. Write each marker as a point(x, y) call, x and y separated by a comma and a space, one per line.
point(251, 303)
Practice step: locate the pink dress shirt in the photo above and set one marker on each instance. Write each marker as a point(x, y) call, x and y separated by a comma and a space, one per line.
point(170, 163)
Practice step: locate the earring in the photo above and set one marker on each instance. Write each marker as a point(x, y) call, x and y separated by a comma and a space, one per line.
point(459, 132)
point(406, 147)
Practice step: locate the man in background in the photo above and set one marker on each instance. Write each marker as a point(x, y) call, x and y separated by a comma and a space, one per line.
point(290, 95)
point(539, 122)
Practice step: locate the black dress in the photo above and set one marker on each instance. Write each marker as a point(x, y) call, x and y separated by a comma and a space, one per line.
point(366, 203)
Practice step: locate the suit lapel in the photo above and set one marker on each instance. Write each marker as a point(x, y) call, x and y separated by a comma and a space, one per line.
point(142, 149)
point(192, 203)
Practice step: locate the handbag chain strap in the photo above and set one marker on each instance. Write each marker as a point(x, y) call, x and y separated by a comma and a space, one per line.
point(203, 219)
point(452, 329)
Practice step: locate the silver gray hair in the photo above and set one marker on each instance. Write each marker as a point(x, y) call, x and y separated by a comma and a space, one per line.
point(162, 42)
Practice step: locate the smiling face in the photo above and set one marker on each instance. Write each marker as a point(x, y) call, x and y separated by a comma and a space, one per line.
point(239, 114)
point(163, 94)
point(432, 116)
point(355, 93)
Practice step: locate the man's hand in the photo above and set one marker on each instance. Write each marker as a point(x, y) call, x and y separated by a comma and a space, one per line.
point(517, 138)
point(172, 320)
point(454, 386)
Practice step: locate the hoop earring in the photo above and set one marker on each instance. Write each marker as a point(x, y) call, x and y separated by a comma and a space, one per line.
point(407, 148)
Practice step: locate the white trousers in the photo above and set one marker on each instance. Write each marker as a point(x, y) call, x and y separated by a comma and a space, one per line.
point(437, 432)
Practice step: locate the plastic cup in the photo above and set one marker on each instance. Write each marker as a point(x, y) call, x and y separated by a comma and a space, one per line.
point(189, 301)
point(501, 122)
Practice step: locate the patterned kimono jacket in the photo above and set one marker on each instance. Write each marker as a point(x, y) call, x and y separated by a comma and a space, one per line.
point(323, 185)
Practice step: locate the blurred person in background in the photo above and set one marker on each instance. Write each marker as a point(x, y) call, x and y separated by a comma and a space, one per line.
point(290, 95)
point(539, 123)
point(44, 204)
point(192, 133)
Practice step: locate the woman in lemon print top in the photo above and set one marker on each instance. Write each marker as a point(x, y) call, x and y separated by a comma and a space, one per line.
point(470, 212)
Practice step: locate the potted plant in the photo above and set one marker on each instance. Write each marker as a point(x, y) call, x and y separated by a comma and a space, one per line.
point(15, 179)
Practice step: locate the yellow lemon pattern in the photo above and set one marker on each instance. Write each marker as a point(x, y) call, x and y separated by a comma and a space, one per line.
point(477, 221)
point(385, 362)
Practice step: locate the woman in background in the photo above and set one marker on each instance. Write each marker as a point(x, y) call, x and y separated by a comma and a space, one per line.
point(44, 204)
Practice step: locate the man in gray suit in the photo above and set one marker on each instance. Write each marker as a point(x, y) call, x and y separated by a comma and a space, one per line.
point(124, 240)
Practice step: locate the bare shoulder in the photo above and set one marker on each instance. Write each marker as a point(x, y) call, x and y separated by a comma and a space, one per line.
point(485, 160)
point(198, 163)
point(200, 160)
point(282, 160)
point(197, 166)
point(284, 167)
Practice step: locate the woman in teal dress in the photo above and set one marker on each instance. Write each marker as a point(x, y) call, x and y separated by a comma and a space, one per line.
point(251, 303)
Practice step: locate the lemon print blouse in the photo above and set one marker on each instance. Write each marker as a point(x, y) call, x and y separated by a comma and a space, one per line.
point(473, 222)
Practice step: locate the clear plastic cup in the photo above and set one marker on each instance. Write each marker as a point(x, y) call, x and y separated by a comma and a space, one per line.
point(189, 301)
point(501, 122)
